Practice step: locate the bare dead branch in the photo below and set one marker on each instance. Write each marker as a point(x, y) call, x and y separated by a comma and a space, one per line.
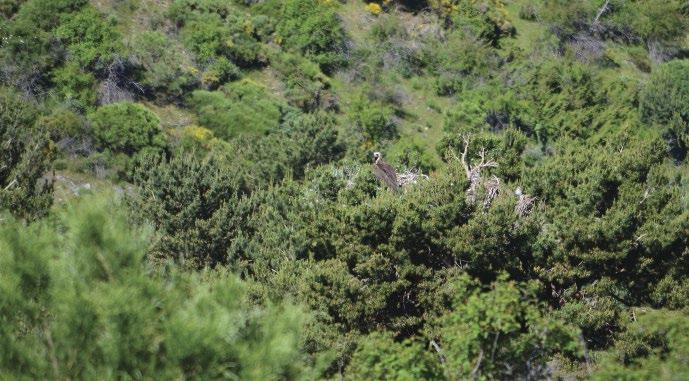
point(602, 11)
point(437, 348)
point(474, 372)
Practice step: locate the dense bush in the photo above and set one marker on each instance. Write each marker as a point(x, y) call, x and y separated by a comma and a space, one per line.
point(195, 206)
point(80, 301)
point(375, 120)
point(25, 158)
point(664, 101)
point(501, 334)
point(380, 357)
point(653, 346)
point(90, 40)
point(243, 107)
point(127, 128)
point(306, 84)
point(545, 239)
point(313, 28)
point(168, 73)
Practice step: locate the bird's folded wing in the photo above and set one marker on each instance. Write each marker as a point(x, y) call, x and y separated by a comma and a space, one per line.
point(385, 172)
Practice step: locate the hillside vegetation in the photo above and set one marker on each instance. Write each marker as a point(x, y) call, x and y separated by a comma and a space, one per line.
point(186, 189)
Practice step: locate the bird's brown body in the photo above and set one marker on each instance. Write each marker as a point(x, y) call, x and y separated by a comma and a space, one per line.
point(384, 171)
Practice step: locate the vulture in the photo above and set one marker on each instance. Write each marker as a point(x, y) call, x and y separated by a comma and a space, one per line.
point(384, 171)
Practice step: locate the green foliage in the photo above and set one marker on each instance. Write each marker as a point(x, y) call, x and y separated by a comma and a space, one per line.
point(62, 123)
point(210, 37)
point(374, 119)
point(501, 333)
point(605, 244)
point(486, 21)
point(127, 128)
point(194, 205)
point(79, 301)
point(168, 73)
point(9, 7)
point(26, 154)
point(243, 107)
point(379, 357)
point(505, 147)
point(91, 41)
point(27, 51)
point(564, 258)
point(75, 85)
point(629, 21)
point(313, 28)
point(303, 140)
point(304, 80)
point(458, 60)
point(653, 347)
point(216, 29)
point(663, 101)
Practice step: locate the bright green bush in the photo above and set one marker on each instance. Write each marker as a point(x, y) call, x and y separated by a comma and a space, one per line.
point(313, 28)
point(62, 123)
point(127, 128)
point(243, 107)
point(91, 41)
point(27, 51)
point(182, 11)
point(664, 22)
point(80, 301)
point(501, 333)
point(375, 120)
point(305, 82)
point(75, 85)
point(653, 347)
point(379, 357)
point(211, 35)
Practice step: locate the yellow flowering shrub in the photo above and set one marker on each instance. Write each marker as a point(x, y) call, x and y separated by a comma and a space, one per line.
point(374, 8)
point(198, 133)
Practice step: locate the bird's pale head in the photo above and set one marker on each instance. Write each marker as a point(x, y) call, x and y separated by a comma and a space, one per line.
point(377, 156)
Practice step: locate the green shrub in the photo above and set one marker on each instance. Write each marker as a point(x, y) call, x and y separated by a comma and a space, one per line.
point(652, 22)
point(79, 301)
point(75, 86)
point(9, 7)
point(501, 333)
point(243, 107)
point(219, 71)
point(194, 205)
point(26, 157)
point(210, 36)
point(62, 123)
point(91, 41)
point(375, 120)
point(528, 12)
point(379, 357)
point(304, 80)
point(653, 347)
point(47, 14)
point(665, 101)
point(168, 73)
point(313, 28)
point(127, 128)
point(182, 11)
point(458, 62)
point(28, 51)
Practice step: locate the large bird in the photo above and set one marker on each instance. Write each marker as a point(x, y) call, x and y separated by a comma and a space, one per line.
point(384, 171)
